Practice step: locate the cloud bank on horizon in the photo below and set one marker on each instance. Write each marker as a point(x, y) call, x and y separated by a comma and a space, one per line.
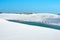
point(45, 6)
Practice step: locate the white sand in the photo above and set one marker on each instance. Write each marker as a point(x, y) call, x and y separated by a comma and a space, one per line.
point(39, 17)
point(18, 31)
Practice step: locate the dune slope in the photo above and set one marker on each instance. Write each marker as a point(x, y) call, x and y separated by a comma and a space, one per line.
point(18, 31)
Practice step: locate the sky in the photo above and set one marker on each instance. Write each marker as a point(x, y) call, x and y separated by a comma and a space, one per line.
point(42, 6)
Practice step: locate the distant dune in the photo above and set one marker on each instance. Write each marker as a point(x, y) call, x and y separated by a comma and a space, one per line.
point(46, 18)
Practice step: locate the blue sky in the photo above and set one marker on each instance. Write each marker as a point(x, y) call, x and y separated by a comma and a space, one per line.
point(49, 6)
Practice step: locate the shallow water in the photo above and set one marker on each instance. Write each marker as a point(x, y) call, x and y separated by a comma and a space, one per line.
point(38, 24)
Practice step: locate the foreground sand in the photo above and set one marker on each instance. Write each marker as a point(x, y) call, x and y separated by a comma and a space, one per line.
point(18, 31)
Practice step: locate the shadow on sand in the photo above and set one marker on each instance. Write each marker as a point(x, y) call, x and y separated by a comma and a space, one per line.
point(37, 24)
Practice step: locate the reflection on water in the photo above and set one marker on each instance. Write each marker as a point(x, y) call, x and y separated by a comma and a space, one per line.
point(38, 24)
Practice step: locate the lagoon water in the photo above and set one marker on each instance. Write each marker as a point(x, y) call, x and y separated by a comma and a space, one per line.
point(38, 24)
point(53, 20)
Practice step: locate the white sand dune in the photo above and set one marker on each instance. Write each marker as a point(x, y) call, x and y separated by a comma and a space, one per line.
point(39, 17)
point(28, 17)
point(18, 31)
